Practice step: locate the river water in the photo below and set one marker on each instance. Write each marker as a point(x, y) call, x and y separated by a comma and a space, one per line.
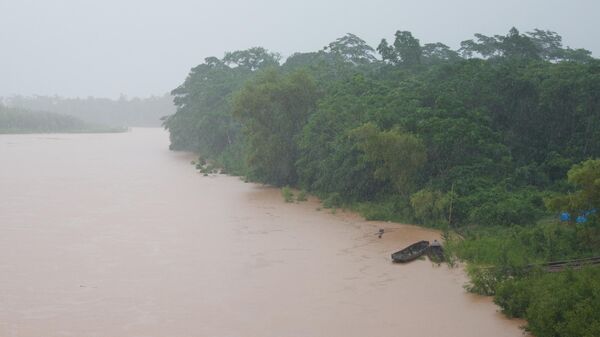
point(113, 235)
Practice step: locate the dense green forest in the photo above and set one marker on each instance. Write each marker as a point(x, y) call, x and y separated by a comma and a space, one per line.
point(491, 141)
point(14, 120)
point(122, 112)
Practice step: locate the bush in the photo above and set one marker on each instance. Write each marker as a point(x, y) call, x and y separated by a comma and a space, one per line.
point(287, 194)
point(392, 208)
point(232, 160)
point(500, 207)
point(301, 196)
point(430, 207)
point(514, 297)
point(565, 304)
point(333, 200)
point(377, 211)
point(483, 281)
point(554, 304)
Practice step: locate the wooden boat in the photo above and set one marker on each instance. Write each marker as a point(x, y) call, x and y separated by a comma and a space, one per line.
point(411, 252)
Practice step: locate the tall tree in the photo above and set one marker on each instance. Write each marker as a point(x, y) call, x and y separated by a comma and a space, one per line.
point(539, 44)
point(398, 155)
point(433, 53)
point(517, 45)
point(253, 59)
point(405, 50)
point(408, 48)
point(586, 178)
point(351, 48)
point(273, 108)
point(548, 43)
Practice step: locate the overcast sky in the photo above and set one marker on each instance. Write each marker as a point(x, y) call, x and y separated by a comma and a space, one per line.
point(144, 47)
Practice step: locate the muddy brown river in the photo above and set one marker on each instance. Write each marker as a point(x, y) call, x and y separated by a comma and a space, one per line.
point(113, 235)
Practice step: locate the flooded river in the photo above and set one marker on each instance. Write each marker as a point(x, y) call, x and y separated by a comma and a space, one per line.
point(113, 235)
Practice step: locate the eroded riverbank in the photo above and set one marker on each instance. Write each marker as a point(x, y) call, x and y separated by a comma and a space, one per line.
point(114, 235)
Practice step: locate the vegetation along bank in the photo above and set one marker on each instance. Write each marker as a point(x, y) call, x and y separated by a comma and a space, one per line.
point(493, 141)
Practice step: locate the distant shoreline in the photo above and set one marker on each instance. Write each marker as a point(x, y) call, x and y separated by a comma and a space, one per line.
point(99, 130)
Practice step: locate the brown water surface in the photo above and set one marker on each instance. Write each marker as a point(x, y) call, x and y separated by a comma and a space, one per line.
point(113, 235)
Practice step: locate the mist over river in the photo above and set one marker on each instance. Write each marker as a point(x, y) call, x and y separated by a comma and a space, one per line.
point(113, 235)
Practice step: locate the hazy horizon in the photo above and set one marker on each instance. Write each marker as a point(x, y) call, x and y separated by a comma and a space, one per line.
point(84, 48)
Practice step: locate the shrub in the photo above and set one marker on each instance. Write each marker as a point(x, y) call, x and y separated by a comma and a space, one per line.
point(287, 194)
point(565, 304)
point(500, 207)
point(514, 297)
point(333, 200)
point(301, 196)
point(393, 208)
point(430, 207)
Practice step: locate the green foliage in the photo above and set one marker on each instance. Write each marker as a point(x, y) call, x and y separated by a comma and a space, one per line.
point(431, 207)
point(517, 246)
point(287, 194)
point(203, 121)
point(232, 159)
point(301, 196)
point(273, 108)
point(330, 160)
point(333, 200)
point(498, 206)
point(428, 134)
point(391, 208)
point(377, 211)
point(556, 304)
point(338, 121)
point(397, 155)
point(514, 297)
point(352, 48)
point(109, 113)
point(252, 59)
point(538, 44)
point(16, 120)
point(405, 50)
point(585, 177)
point(433, 53)
point(501, 261)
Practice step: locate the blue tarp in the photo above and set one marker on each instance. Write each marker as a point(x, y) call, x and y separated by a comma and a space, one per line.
point(565, 216)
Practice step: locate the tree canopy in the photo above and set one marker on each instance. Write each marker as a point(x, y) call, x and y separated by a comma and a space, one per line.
point(474, 140)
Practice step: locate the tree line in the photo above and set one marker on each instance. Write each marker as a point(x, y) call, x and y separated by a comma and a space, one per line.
point(121, 112)
point(478, 140)
point(16, 120)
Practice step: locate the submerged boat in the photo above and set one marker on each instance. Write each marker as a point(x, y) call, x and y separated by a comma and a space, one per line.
point(436, 253)
point(411, 252)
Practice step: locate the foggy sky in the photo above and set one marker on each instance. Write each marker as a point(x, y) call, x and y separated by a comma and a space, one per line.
point(143, 47)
